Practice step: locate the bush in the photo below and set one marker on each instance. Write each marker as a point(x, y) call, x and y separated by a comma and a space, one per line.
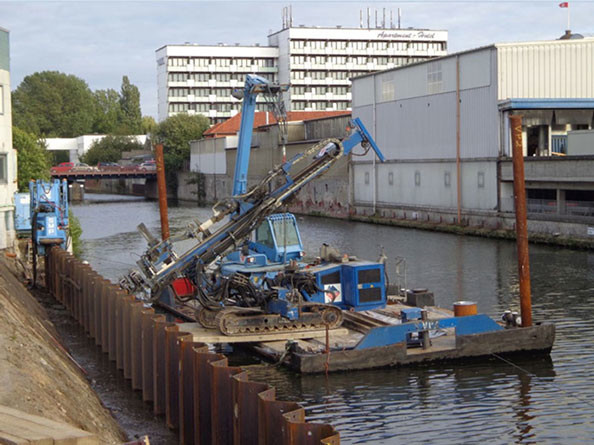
point(32, 158)
point(110, 148)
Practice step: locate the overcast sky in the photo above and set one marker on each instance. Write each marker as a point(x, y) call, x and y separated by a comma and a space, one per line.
point(102, 41)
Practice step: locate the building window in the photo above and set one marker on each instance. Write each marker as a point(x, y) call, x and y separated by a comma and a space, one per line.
point(3, 168)
point(391, 178)
point(434, 78)
point(481, 180)
point(366, 178)
point(447, 180)
point(417, 178)
point(1, 99)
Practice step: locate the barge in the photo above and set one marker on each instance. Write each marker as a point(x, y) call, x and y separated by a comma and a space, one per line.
point(387, 337)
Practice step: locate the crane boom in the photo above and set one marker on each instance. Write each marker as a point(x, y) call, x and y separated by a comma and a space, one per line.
point(160, 265)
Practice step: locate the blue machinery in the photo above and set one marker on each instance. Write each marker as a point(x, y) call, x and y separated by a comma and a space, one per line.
point(246, 262)
point(49, 214)
point(42, 214)
point(246, 256)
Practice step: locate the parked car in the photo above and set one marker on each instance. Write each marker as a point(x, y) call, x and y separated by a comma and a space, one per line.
point(62, 167)
point(108, 166)
point(82, 167)
point(148, 166)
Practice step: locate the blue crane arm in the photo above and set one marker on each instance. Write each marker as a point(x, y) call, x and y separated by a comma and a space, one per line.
point(361, 136)
point(253, 86)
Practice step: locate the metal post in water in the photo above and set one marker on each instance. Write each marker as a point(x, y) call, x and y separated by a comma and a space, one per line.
point(521, 222)
point(162, 189)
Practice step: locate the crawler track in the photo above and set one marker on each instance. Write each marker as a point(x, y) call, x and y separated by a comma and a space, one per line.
point(313, 316)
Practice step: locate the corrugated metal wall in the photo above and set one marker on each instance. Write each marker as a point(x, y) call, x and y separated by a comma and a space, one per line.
point(552, 69)
point(428, 184)
point(416, 124)
point(412, 114)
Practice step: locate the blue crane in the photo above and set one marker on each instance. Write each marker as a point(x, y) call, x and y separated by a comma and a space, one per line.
point(246, 263)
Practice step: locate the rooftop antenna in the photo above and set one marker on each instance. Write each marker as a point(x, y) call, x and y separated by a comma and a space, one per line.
point(368, 17)
point(360, 18)
point(391, 19)
point(375, 18)
point(399, 16)
point(290, 16)
point(283, 16)
point(384, 19)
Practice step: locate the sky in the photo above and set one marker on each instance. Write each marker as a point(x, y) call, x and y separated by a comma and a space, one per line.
point(102, 41)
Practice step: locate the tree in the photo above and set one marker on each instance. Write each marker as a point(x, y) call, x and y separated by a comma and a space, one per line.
point(130, 104)
point(149, 125)
point(175, 133)
point(53, 104)
point(32, 158)
point(108, 113)
point(110, 149)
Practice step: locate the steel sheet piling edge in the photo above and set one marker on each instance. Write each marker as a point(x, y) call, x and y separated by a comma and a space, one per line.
point(202, 395)
point(222, 401)
point(186, 389)
point(245, 417)
point(127, 336)
point(209, 401)
point(272, 428)
point(136, 344)
point(172, 373)
point(147, 326)
point(112, 322)
point(159, 366)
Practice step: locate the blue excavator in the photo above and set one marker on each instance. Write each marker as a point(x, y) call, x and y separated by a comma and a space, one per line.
point(246, 266)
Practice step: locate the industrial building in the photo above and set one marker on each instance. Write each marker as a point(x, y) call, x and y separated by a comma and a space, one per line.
point(212, 160)
point(443, 126)
point(318, 62)
point(8, 161)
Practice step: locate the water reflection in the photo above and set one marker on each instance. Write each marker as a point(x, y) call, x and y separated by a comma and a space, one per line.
point(522, 401)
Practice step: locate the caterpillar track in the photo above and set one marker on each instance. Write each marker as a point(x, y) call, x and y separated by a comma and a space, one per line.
point(238, 321)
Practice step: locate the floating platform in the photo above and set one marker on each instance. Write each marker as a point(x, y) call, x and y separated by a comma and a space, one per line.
point(379, 338)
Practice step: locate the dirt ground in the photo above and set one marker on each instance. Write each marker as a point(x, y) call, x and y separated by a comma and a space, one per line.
point(37, 375)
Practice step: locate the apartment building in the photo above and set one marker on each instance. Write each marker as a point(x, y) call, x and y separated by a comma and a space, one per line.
point(8, 162)
point(318, 62)
point(197, 79)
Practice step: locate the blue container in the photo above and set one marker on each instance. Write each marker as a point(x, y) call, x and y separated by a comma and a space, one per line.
point(22, 213)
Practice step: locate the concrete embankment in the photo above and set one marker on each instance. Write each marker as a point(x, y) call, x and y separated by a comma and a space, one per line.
point(37, 375)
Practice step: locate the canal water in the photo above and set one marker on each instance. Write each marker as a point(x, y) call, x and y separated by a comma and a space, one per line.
point(495, 401)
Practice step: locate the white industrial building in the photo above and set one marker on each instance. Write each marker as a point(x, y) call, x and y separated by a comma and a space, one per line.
point(198, 79)
point(318, 62)
point(78, 146)
point(443, 127)
point(8, 158)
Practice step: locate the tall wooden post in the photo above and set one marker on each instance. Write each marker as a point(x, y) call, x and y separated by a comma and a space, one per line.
point(162, 189)
point(521, 221)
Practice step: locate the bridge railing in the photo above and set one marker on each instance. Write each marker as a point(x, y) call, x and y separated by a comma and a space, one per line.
point(202, 397)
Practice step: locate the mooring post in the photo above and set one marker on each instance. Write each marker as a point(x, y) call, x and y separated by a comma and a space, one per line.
point(162, 189)
point(521, 223)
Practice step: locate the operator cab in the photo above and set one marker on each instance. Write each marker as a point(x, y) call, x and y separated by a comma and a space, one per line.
point(278, 238)
point(275, 242)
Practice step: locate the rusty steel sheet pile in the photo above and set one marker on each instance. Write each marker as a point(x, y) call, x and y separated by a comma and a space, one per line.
point(201, 396)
